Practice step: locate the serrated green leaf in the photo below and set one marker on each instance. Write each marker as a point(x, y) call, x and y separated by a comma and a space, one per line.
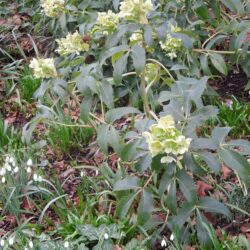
point(124, 205)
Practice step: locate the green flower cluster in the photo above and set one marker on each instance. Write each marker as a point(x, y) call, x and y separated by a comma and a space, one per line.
point(172, 45)
point(73, 43)
point(165, 138)
point(135, 10)
point(137, 39)
point(53, 8)
point(43, 68)
point(106, 23)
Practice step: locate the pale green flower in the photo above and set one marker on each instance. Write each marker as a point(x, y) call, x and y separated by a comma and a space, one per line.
point(72, 43)
point(165, 138)
point(137, 39)
point(172, 45)
point(136, 10)
point(53, 8)
point(106, 23)
point(43, 68)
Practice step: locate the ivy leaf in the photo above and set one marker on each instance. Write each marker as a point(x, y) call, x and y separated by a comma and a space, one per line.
point(139, 58)
point(213, 206)
point(130, 182)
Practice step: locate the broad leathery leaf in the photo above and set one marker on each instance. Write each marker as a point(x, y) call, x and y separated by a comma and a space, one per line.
point(130, 182)
point(202, 143)
point(139, 58)
point(219, 135)
point(243, 145)
point(114, 140)
point(219, 63)
point(106, 92)
point(213, 206)
point(119, 67)
point(204, 64)
point(182, 215)
point(214, 41)
point(211, 160)
point(110, 52)
point(237, 162)
point(165, 181)
point(129, 151)
point(117, 113)
point(144, 163)
point(102, 137)
point(187, 185)
point(124, 205)
point(86, 82)
point(145, 208)
point(85, 108)
point(202, 233)
point(192, 164)
point(171, 198)
point(59, 86)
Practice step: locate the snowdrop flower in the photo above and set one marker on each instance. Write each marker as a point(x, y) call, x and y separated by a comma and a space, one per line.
point(43, 68)
point(163, 243)
point(31, 244)
point(3, 179)
point(35, 177)
point(11, 159)
point(8, 167)
point(11, 241)
point(72, 43)
point(106, 236)
point(16, 169)
point(28, 170)
point(171, 237)
point(81, 173)
point(66, 244)
point(2, 171)
point(29, 162)
point(2, 243)
point(53, 8)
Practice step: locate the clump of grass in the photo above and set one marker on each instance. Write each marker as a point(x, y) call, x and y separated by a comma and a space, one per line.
point(28, 84)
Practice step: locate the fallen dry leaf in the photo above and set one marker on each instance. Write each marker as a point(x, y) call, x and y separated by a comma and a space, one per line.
point(202, 188)
point(226, 172)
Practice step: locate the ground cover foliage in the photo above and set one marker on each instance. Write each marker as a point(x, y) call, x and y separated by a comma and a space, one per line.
point(124, 124)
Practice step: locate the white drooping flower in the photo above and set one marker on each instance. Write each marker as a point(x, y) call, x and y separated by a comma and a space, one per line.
point(16, 170)
point(66, 244)
point(29, 170)
point(43, 68)
point(136, 10)
point(11, 241)
point(106, 236)
point(3, 180)
point(171, 237)
point(2, 242)
point(53, 8)
point(163, 243)
point(29, 162)
point(31, 244)
point(72, 43)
